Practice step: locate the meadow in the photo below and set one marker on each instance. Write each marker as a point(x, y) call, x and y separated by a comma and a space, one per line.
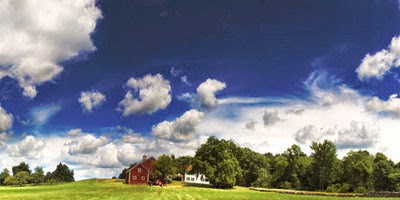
point(114, 189)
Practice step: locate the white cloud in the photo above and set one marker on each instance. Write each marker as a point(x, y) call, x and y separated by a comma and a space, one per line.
point(106, 157)
point(377, 65)
point(390, 106)
point(154, 94)
point(127, 154)
point(346, 136)
point(250, 124)
point(181, 129)
point(358, 135)
point(270, 118)
point(206, 92)
point(6, 120)
point(133, 138)
point(91, 100)
point(37, 35)
point(28, 147)
point(74, 132)
point(86, 144)
point(42, 114)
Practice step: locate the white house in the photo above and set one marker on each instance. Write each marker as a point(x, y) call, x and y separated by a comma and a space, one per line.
point(196, 178)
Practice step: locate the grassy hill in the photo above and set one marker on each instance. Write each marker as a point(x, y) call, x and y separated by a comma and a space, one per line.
point(112, 189)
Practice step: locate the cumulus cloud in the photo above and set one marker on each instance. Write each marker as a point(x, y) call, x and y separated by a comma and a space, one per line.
point(378, 64)
point(353, 135)
point(154, 94)
point(133, 138)
point(250, 124)
point(91, 100)
point(127, 154)
point(306, 134)
point(181, 129)
point(358, 135)
point(42, 114)
point(74, 132)
point(37, 35)
point(106, 157)
point(391, 106)
point(270, 118)
point(6, 120)
point(86, 144)
point(28, 147)
point(206, 92)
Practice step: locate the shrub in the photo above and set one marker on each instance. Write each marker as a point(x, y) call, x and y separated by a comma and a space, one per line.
point(223, 185)
point(361, 189)
point(345, 188)
point(335, 188)
point(286, 185)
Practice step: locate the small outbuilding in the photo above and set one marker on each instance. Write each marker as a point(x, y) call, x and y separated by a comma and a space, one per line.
point(141, 173)
point(196, 178)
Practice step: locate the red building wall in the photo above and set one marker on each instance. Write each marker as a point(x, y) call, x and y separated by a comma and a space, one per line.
point(138, 175)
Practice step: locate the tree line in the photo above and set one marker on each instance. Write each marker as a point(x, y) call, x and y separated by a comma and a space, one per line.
point(22, 175)
point(222, 161)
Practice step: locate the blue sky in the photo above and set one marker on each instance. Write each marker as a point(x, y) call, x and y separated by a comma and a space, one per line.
point(97, 84)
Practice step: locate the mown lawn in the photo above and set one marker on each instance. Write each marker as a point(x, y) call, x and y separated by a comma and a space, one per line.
point(110, 189)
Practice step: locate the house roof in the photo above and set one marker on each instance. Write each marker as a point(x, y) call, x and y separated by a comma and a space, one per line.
point(141, 164)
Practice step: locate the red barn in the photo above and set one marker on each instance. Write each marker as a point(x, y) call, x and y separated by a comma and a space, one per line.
point(140, 173)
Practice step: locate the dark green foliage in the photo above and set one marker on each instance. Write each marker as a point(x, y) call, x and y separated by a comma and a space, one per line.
point(63, 174)
point(19, 179)
point(183, 164)
point(164, 166)
point(383, 175)
point(358, 167)
point(323, 162)
point(21, 167)
point(38, 176)
point(216, 159)
point(3, 175)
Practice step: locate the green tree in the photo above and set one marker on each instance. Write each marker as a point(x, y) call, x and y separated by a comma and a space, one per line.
point(296, 165)
point(184, 164)
point(3, 175)
point(164, 166)
point(21, 167)
point(216, 160)
point(358, 166)
point(38, 176)
point(254, 167)
point(382, 171)
point(323, 161)
point(63, 174)
point(19, 179)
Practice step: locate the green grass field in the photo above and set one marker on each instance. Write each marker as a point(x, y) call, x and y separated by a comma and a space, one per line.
point(111, 189)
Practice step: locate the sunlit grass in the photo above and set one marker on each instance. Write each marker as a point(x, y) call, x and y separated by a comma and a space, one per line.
point(113, 189)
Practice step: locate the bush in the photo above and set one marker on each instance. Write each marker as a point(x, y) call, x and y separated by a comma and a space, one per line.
point(223, 185)
point(335, 188)
point(345, 188)
point(286, 185)
point(361, 189)
point(20, 179)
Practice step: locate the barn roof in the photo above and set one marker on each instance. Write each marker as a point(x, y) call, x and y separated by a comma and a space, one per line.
point(141, 164)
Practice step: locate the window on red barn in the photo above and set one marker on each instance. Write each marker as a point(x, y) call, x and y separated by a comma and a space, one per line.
point(134, 177)
point(142, 177)
point(139, 169)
